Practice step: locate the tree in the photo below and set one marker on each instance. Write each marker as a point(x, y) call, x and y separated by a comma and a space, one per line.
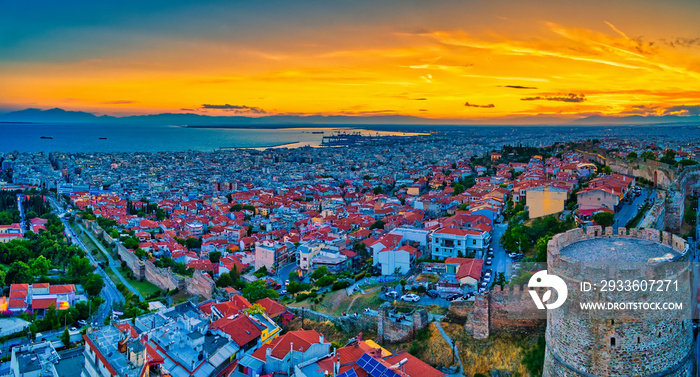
point(255, 309)
point(224, 280)
point(40, 266)
point(379, 224)
point(534, 357)
point(648, 155)
point(604, 219)
point(79, 267)
point(632, 156)
point(65, 337)
point(140, 253)
point(458, 189)
point(500, 280)
point(293, 275)
point(258, 290)
point(19, 273)
point(378, 190)
point(3, 275)
point(214, 256)
point(193, 243)
point(94, 284)
point(319, 272)
point(606, 170)
point(541, 248)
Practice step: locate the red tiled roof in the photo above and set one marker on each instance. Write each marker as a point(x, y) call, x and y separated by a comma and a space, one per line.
point(241, 329)
point(272, 307)
point(43, 303)
point(414, 366)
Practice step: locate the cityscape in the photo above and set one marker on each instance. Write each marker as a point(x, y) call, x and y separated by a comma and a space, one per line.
point(349, 190)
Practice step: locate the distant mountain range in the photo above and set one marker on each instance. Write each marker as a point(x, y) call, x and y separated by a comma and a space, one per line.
point(57, 115)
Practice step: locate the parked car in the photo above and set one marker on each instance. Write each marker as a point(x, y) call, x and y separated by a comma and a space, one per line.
point(490, 253)
point(487, 275)
point(410, 297)
point(452, 296)
point(392, 294)
point(433, 293)
point(488, 261)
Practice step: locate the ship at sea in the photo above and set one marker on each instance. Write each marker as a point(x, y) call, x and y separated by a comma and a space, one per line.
point(103, 138)
point(46, 137)
point(317, 132)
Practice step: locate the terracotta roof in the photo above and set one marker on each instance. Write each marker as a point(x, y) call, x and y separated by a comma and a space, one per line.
point(43, 303)
point(241, 329)
point(414, 366)
point(272, 307)
point(58, 289)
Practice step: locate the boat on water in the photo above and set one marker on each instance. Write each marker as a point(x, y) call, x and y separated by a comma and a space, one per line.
point(46, 137)
point(103, 138)
point(317, 132)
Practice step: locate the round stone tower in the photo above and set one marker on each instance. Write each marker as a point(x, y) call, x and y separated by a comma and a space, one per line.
point(622, 341)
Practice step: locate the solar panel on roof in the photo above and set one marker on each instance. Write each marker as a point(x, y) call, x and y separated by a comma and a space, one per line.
point(349, 373)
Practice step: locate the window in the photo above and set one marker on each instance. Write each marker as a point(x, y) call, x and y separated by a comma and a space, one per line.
point(474, 241)
point(638, 340)
point(612, 322)
point(612, 341)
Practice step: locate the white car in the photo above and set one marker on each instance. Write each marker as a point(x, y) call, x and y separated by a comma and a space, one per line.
point(410, 297)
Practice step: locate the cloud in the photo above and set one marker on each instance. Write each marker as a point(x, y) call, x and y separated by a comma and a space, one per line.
point(489, 106)
point(647, 110)
point(117, 102)
point(571, 97)
point(518, 87)
point(682, 42)
point(238, 109)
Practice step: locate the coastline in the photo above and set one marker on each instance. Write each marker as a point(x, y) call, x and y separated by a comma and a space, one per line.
point(292, 144)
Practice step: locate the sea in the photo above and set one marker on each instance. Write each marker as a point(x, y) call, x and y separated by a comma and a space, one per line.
point(76, 138)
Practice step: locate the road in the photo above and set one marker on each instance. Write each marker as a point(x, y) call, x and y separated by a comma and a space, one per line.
point(283, 273)
point(113, 264)
point(22, 223)
point(109, 292)
point(629, 209)
point(501, 261)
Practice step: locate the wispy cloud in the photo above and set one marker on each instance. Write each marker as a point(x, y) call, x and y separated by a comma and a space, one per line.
point(518, 87)
point(238, 109)
point(489, 106)
point(571, 97)
point(118, 102)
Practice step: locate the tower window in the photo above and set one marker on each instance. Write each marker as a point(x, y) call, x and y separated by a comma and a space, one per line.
point(612, 322)
point(612, 341)
point(638, 340)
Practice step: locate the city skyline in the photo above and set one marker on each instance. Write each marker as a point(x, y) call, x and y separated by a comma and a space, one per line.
point(451, 60)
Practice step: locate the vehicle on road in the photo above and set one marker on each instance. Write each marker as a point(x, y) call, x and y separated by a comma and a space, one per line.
point(432, 293)
point(488, 261)
point(392, 294)
point(410, 297)
point(452, 296)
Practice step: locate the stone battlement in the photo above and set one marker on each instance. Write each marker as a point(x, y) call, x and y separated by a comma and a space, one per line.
point(597, 260)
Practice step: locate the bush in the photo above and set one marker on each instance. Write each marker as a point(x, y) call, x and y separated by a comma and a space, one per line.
point(359, 276)
point(301, 297)
point(324, 281)
point(313, 294)
point(340, 285)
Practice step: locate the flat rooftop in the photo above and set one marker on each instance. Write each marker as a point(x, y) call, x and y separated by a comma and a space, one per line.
point(616, 250)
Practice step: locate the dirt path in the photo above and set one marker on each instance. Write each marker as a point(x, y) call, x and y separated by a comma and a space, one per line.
point(356, 297)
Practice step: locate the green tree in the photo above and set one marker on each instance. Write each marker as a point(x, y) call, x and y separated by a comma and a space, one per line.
point(19, 273)
point(224, 281)
point(94, 284)
point(79, 267)
point(604, 219)
point(606, 170)
point(458, 189)
point(379, 224)
point(632, 156)
point(214, 256)
point(193, 243)
point(3, 275)
point(319, 272)
point(65, 337)
point(378, 190)
point(40, 266)
point(258, 290)
point(648, 155)
point(293, 275)
point(541, 248)
point(500, 280)
point(534, 357)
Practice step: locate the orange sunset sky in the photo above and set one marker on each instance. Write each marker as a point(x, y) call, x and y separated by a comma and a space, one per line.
point(433, 59)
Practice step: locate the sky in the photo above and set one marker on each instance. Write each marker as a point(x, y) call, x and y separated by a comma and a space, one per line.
point(435, 59)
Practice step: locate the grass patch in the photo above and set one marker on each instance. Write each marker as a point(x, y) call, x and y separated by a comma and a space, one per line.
point(431, 347)
point(430, 278)
point(638, 217)
point(146, 288)
point(502, 352)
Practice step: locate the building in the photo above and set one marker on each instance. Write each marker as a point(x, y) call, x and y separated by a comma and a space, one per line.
point(38, 297)
point(545, 200)
point(596, 198)
point(620, 342)
point(272, 255)
point(10, 232)
point(457, 242)
point(34, 360)
point(397, 260)
point(467, 270)
point(306, 252)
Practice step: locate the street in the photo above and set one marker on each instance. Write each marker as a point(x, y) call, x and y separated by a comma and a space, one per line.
point(109, 292)
point(501, 260)
point(629, 209)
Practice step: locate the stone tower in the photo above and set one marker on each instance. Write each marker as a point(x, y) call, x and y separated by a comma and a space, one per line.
point(619, 342)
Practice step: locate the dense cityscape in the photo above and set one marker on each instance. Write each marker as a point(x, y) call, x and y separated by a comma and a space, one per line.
point(308, 261)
